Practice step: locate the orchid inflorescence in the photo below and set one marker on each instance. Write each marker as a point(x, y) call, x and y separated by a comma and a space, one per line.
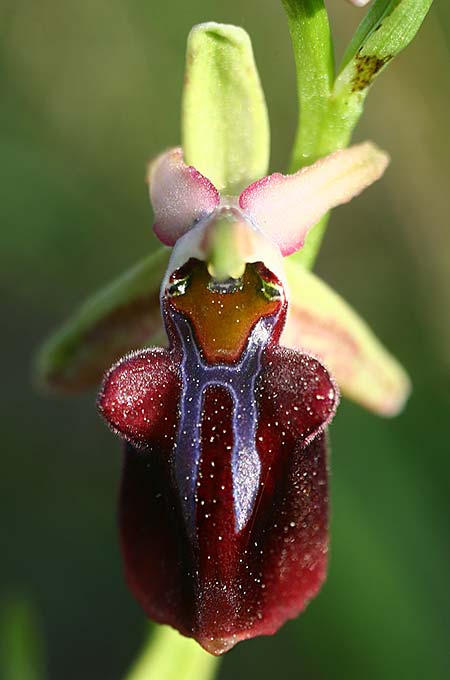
point(224, 498)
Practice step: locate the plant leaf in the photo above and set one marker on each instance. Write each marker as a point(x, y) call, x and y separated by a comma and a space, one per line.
point(388, 27)
point(225, 127)
point(124, 316)
point(170, 656)
point(322, 323)
point(331, 110)
point(372, 19)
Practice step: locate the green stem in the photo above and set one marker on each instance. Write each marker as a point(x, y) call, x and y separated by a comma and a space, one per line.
point(331, 107)
point(167, 655)
point(314, 61)
point(313, 53)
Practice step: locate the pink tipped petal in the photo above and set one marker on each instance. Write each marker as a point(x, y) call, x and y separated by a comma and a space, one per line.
point(287, 206)
point(180, 196)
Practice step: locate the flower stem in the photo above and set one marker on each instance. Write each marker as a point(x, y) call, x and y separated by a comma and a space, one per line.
point(330, 105)
point(313, 53)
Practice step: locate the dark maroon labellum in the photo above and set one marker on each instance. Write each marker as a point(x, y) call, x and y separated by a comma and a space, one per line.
point(224, 493)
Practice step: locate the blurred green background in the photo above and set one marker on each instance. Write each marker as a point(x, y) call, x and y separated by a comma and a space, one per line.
point(90, 90)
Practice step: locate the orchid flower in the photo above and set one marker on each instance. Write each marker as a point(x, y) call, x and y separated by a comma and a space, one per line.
point(224, 498)
point(224, 495)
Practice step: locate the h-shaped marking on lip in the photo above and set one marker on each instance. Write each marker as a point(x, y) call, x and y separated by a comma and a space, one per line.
point(239, 380)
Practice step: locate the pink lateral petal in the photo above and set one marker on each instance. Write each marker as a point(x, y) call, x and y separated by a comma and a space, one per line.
point(180, 196)
point(287, 206)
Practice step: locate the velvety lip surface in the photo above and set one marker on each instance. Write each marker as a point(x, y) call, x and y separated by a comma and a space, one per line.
point(224, 494)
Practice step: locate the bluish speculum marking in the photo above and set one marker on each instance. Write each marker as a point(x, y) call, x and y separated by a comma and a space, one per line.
point(238, 378)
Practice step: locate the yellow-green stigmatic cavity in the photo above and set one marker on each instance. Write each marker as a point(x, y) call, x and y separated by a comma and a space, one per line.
point(223, 314)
